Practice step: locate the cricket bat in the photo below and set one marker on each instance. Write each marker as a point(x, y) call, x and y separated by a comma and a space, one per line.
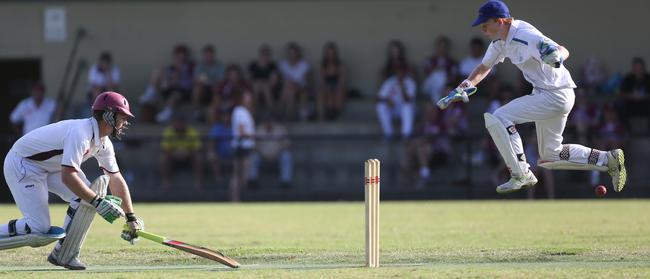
point(193, 249)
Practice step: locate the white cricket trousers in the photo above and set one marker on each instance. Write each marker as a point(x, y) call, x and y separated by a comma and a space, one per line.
point(549, 110)
point(29, 185)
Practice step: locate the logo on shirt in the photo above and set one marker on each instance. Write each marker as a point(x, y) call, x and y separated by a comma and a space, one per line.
point(29, 186)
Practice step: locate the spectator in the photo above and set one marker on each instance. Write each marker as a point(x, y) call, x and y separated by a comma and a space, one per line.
point(181, 146)
point(265, 79)
point(207, 74)
point(397, 99)
point(476, 51)
point(103, 76)
point(34, 111)
point(333, 78)
point(431, 148)
point(219, 148)
point(243, 142)
point(225, 92)
point(295, 73)
point(439, 69)
point(593, 75)
point(635, 92)
point(396, 57)
point(609, 133)
point(272, 147)
point(174, 83)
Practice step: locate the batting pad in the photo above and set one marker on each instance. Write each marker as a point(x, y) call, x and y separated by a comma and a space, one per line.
point(502, 141)
point(78, 227)
point(32, 239)
point(568, 165)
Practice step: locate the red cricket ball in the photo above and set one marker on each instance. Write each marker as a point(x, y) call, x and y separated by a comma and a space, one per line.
point(600, 191)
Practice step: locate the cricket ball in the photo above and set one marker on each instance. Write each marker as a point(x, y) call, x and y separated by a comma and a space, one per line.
point(600, 191)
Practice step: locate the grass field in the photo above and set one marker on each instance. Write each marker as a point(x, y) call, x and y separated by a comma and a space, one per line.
point(504, 239)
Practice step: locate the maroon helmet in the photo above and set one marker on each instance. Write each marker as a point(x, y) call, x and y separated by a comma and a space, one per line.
point(112, 101)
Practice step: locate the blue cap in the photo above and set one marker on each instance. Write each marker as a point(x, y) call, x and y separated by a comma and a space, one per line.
point(491, 9)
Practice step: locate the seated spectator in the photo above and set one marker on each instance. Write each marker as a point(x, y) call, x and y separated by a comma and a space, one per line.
point(272, 148)
point(609, 134)
point(467, 65)
point(207, 74)
point(265, 79)
point(173, 83)
point(397, 99)
point(396, 57)
point(593, 75)
point(223, 95)
point(635, 93)
point(333, 78)
point(439, 69)
point(103, 76)
point(219, 148)
point(431, 148)
point(295, 73)
point(243, 142)
point(33, 112)
point(181, 146)
point(583, 118)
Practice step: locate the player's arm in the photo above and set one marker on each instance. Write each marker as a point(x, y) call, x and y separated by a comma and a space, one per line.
point(476, 76)
point(119, 188)
point(71, 178)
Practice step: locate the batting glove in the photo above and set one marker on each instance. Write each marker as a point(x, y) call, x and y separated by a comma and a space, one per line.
point(108, 207)
point(550, 54)
point(131, 228)
point(456, 95)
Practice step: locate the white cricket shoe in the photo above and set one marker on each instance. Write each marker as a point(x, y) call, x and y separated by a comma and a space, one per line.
point(517, 183)
point(74, 264)
point(616, 169)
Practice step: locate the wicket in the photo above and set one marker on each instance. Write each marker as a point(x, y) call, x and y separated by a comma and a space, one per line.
point(371, 186)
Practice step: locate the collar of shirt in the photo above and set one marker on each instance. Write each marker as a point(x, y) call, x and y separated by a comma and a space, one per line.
point(95, 125)
point(511, 32)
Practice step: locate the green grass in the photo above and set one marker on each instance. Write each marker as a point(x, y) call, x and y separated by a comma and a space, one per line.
point(476, 239)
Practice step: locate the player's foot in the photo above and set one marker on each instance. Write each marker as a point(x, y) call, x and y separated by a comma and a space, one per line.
point(74, 264)
point(517, 183)
point(616, 168)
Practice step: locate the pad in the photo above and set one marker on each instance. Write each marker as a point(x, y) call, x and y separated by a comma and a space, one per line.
point(502, 141)
point(568, 165)
point(32, 239)
point(81, 218)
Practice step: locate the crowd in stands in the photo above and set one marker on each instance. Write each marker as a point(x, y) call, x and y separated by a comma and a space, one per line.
point(231, 98)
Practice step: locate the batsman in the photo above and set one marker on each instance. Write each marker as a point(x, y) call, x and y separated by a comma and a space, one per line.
point(541, 61)
point(48, 159)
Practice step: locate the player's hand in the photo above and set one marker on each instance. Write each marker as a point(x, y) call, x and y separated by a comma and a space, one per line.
point(456, 95)
point(550, 54)
point(108, 207)
point(131, 228)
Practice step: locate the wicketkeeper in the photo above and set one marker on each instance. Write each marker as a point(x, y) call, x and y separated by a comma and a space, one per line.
point(541, 61)
point(48, 159)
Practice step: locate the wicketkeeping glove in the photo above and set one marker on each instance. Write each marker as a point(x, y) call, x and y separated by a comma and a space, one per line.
point(550, 54)
point(130, 229)
point(456, 95)
point(108, 207)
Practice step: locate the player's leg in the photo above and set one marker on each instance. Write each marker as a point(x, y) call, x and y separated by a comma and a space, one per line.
point(78, 219)
point(30, 194)
point(385, 114)
point(555, 155)
point(501, 126)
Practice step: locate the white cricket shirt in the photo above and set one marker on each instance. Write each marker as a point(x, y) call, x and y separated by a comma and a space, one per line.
point(391, 90)
point(521, 48)
point(67, 143)
point(241, 116)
